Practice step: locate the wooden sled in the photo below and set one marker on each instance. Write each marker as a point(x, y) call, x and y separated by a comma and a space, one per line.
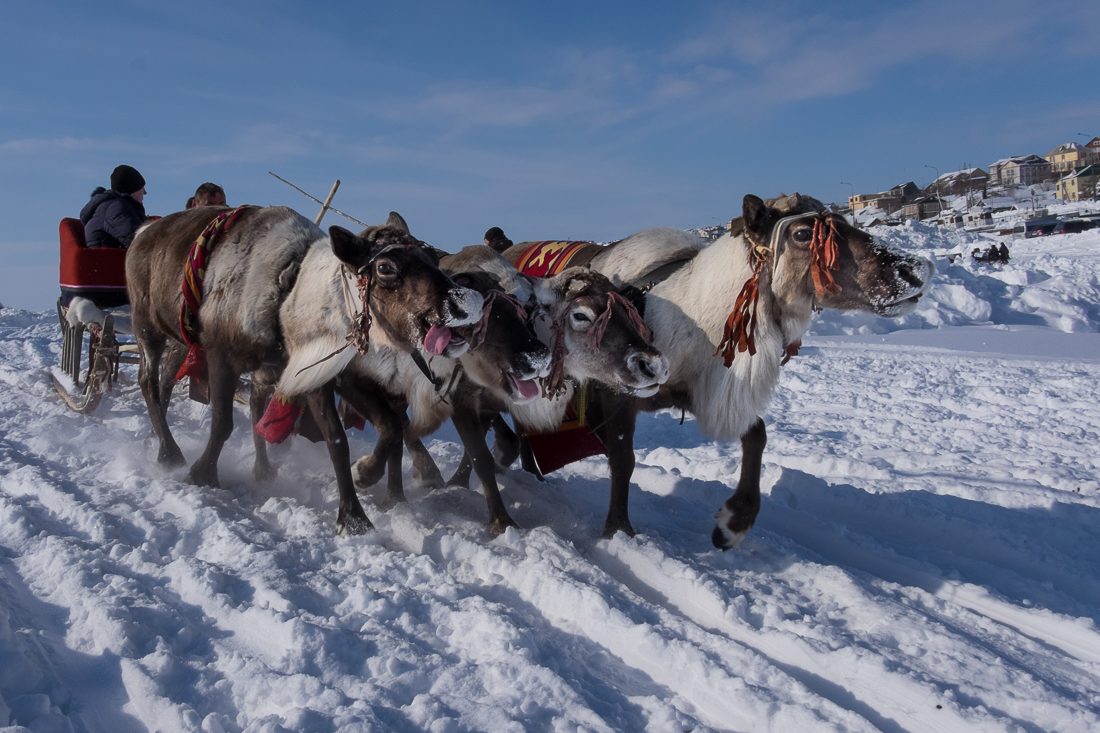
point(105, 354)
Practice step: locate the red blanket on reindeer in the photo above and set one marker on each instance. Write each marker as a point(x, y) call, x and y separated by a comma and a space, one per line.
point(574, 440)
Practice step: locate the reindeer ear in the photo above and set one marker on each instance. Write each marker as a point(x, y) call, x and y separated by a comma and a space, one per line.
point(522, 287)
point(397, 222)
point(755, 215)
point(347, 247)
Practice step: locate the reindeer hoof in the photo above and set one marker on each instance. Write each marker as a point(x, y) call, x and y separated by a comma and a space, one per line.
point(610, 528)
point(200, 477)
point(392, 499)
point(499, 525)
point(351, 526)
point(171, 458)
point(731, 528)
point(264, 473)
point(367, 472)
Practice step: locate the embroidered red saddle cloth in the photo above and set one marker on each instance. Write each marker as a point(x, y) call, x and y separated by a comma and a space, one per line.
point(546, 259)
point(571, 442)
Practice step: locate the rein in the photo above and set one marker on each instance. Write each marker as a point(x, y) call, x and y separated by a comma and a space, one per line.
point(740, 330)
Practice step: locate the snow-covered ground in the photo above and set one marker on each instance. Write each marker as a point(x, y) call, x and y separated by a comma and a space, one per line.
point(926, 558)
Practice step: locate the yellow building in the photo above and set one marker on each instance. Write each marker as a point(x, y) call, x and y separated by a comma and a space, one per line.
point(1070, 156)
point(1079, 185)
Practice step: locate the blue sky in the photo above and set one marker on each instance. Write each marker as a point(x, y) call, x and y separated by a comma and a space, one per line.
point(552, 120)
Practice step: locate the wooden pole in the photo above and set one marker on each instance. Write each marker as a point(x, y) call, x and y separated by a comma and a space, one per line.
point(324, 206)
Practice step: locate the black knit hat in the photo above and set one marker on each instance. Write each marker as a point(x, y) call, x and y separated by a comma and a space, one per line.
point(494, 234)
point(126, 180)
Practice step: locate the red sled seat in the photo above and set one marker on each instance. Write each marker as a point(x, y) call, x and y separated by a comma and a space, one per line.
point(98, 274)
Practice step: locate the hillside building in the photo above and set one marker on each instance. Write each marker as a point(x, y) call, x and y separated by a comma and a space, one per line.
point(1019, 170)
point(1070, 157)
point(1079, 185)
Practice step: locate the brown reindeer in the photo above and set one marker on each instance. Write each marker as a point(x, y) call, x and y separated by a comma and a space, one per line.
point(280, 301)
point(726, 316)
point(504, 359)
point(598, 336)
point(601, 339)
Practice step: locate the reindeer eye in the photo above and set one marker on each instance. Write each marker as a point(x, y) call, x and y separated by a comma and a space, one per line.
point(802, 235)
point(386, 269)
point(579, 317)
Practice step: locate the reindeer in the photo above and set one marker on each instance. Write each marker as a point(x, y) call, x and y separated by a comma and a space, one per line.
point(729, 315)
point(277, 301)
point(596, 336)
point(504, 359)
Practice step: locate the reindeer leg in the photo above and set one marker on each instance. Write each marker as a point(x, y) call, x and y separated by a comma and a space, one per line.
point(461, 476)
point(350, 518)
point(151, 343)
point(505, 442)
point(616, 417)
point(470, 429)
point(223, 383)
point(375, 407)
point(174, 357)
point(527, 459)
point(395, 490)
point(424, 469)
point(259, 396)
point(738, 513)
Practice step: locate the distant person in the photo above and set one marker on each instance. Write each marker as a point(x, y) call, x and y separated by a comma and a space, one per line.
point(1003, 251)
point(208, 194)
point(495, 240)
point(112, 217)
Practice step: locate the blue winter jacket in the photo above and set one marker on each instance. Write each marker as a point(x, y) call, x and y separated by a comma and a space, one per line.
point(111, 219)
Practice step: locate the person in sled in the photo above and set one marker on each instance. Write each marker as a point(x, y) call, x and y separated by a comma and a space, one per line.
point(112, 217)
point(495, 240)
point(208, 194)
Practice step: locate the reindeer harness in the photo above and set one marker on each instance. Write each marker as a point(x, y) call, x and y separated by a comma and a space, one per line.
point(194, 276)
point(554, 384)
point(740, 331)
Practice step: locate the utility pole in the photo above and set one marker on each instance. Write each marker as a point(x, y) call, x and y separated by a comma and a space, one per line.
point(843, 183)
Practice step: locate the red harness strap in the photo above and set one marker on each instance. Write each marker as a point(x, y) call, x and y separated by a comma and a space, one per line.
point(193, 276)
point(740, 331)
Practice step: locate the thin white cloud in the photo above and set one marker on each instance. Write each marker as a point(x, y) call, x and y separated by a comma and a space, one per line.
point(798, 54)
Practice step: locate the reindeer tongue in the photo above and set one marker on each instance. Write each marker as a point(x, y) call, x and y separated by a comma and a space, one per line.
point(527, 388)
point(437, 339)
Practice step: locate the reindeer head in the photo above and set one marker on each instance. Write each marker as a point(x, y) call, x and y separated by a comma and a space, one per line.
point(597, 334)
point(505, 355)
point(411, 303)
point(817, 257)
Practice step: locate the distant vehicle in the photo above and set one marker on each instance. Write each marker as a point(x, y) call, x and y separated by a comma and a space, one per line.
point(1074, 226)
point(1035, 228)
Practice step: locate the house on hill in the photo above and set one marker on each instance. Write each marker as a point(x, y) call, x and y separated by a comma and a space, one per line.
point(959, 183)
point(1019, 170)
point(923, 207)
point(1070, 157)
point(887, 201)
point(1079, 185)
